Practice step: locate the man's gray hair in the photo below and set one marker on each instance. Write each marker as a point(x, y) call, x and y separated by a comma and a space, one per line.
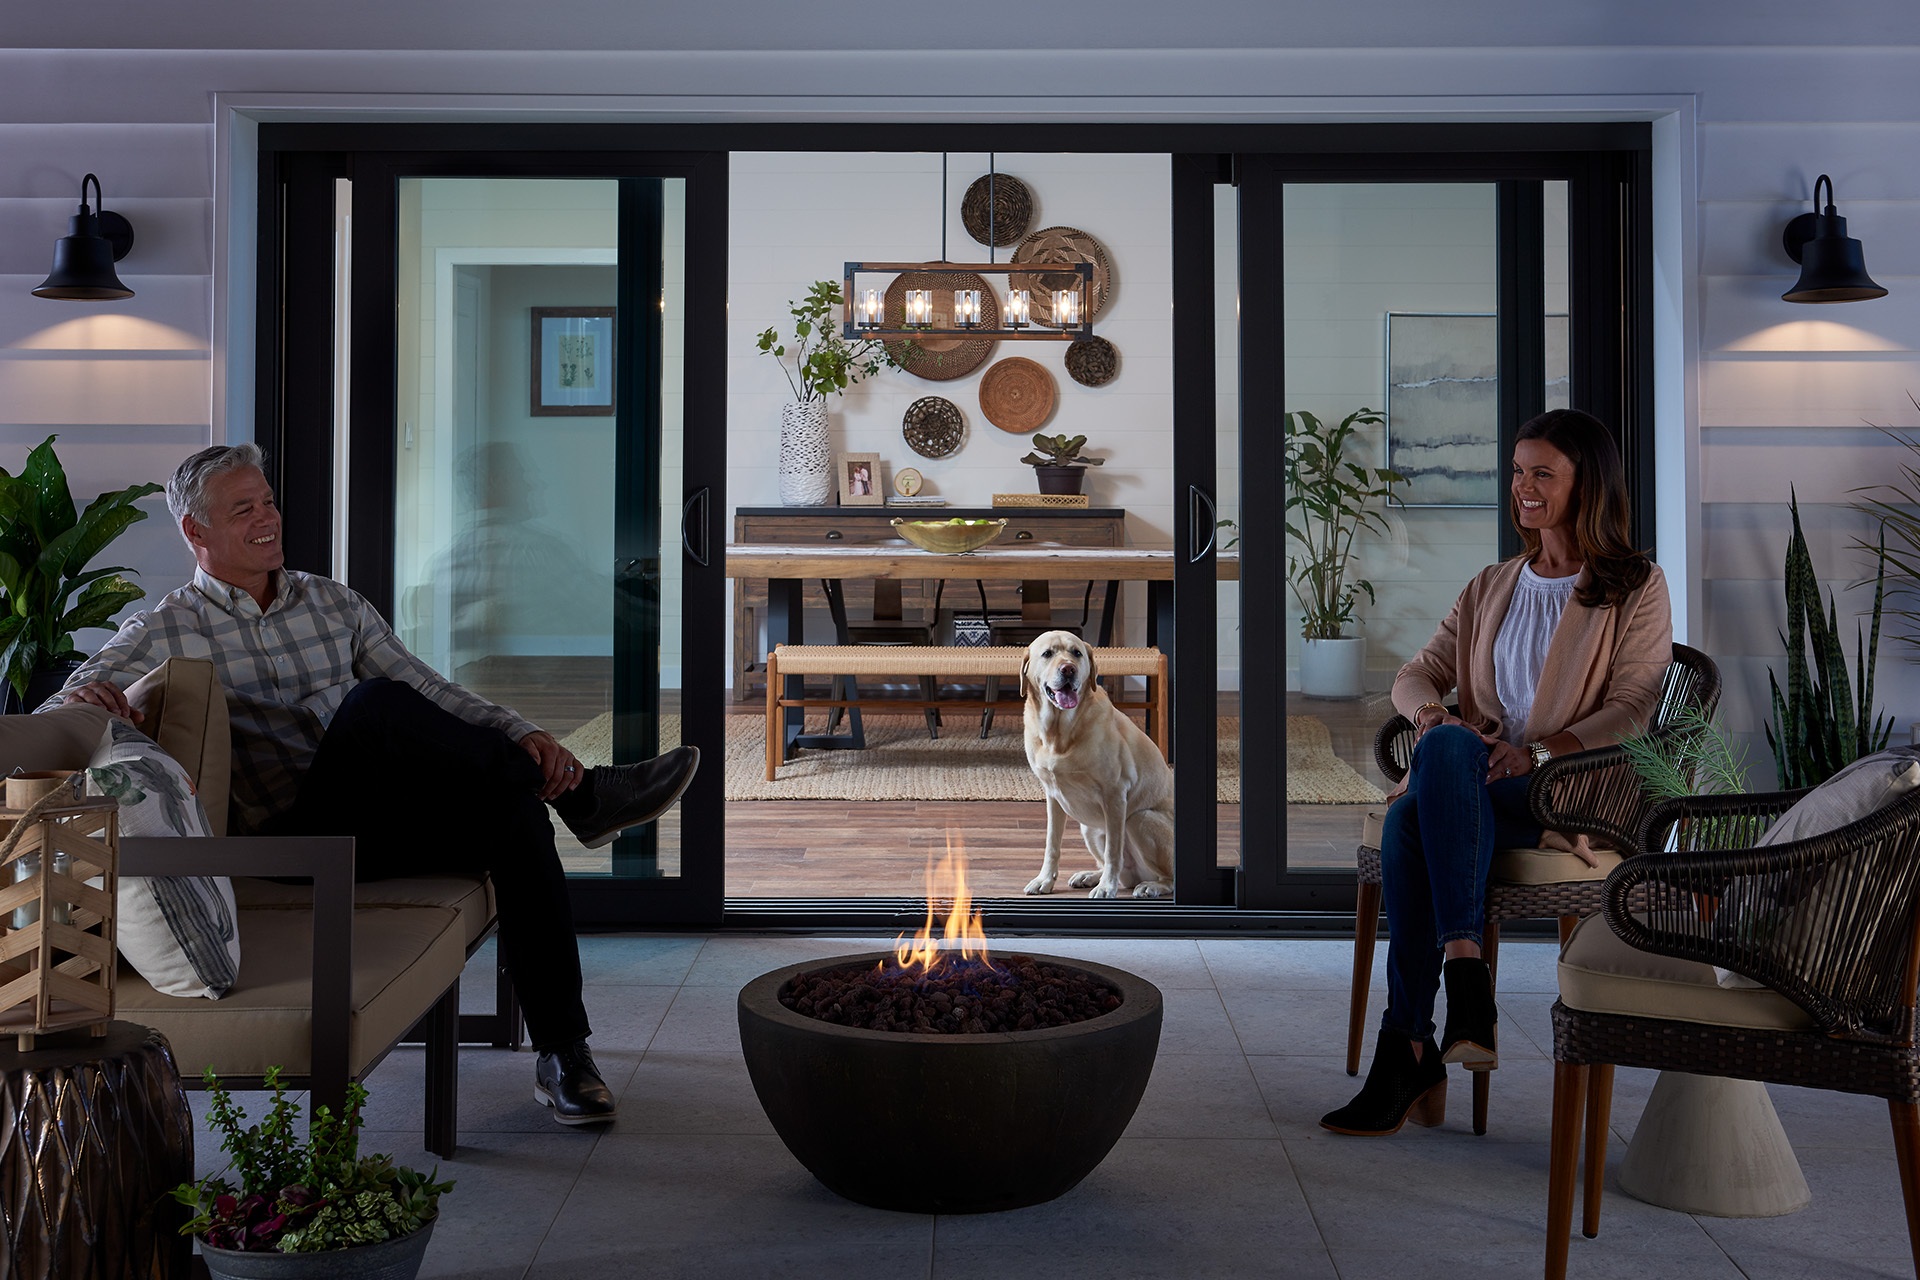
point(187, 490)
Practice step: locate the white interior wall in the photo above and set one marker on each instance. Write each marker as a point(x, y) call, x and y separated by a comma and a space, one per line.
point(1776, 391)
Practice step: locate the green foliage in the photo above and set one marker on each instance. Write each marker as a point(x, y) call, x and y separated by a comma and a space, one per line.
point(1060, 451)
point(1689, 757)
point(1896, 508)
point(45, 547)
point(1329, 500)
point(1818, 727)
point(302, 1198)
point(821, 362)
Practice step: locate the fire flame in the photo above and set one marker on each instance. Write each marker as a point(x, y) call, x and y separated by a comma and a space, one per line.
point(963, 931)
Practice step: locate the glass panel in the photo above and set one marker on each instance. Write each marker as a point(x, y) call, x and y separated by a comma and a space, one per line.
point(506, 507)
point(1390, 297)
point(1226, 489)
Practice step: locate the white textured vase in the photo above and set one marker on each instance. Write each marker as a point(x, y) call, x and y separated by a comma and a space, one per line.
point(1333, 668)
point(806, 463)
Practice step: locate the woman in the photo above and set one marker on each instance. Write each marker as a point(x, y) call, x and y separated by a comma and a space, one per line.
point(1559, 649)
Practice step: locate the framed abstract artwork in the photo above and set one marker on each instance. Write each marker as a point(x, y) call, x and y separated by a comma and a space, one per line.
point(1442, 404)
point(573, 362)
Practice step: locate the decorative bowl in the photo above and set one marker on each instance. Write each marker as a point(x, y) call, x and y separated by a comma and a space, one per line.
point(949, 537)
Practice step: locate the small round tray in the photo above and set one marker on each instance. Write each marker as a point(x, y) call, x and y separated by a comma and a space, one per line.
point(933, 426)
point(1092, 362)
point(1018, 394)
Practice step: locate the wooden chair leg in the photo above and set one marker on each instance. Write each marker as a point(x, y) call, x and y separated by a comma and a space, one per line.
point(1906, 1147)
point(1599, 1120)
point(1569, 1100)
point(1366, 929)
point(929, 690)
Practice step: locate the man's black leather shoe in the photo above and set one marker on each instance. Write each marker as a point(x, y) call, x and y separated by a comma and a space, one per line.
point(567, 1081)
point(631, 795)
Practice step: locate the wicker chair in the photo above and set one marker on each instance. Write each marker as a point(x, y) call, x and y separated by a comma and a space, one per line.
point(1594, 793)
point(1830, 925)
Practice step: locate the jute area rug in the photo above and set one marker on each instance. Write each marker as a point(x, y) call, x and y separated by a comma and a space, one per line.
point(901, 763)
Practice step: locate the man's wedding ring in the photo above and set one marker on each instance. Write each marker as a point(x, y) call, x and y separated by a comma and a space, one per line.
point(571, 769)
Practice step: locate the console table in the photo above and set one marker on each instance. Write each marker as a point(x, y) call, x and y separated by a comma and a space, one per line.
point(829, 527)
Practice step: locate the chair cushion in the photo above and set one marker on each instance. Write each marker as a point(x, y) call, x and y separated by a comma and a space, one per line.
point(469, 895)
point(63, 738)
point(185, 711)
point(1602, 974)
point(178, 931)
point(1370, 830)
point(403, 960)
point(1515, 866)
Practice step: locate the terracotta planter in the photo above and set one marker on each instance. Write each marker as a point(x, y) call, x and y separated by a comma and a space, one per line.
point(395, 1259)
point(949, 1123)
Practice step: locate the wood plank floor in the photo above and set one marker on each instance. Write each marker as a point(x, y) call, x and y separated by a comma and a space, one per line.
point(816, 848)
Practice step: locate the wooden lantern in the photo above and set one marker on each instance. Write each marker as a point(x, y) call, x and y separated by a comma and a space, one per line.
point(57, 930)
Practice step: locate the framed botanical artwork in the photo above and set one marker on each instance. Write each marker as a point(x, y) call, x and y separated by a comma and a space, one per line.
point(860, 480)
point(1443, 405)
point(572, 362)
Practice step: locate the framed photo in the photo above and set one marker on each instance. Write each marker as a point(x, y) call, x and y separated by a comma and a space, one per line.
point(572, 362)
point(1442, 404)
point(860, 480)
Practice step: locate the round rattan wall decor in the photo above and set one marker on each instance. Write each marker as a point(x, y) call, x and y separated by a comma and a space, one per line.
point(940, 359)
point(1011, 203)
point(1018, 394)
point(1051, 245)
point(933, 427)
point(1092, 362)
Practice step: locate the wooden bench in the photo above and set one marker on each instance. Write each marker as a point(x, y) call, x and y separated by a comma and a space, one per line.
point(943, 662)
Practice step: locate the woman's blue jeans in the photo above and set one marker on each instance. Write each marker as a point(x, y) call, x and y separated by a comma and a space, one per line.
point(1435, 849)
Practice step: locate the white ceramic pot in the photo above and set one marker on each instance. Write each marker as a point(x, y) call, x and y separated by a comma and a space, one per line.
point(806, 461)
point(1333, 668)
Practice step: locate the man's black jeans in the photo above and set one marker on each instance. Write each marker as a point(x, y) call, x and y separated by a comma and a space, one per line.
point(423, 793)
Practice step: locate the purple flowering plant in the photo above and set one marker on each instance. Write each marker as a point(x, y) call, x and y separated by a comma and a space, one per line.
point(302, 1197)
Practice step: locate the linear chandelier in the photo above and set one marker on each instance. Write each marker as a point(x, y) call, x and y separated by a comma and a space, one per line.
point(962, 310)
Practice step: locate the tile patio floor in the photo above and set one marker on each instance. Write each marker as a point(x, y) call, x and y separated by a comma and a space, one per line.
point(1223, 1173)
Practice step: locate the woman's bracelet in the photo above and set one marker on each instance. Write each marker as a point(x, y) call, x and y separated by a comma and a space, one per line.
point(1422, 707)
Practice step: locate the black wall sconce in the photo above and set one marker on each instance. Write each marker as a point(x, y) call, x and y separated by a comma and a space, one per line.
point(83, 258)
point(1832, 268)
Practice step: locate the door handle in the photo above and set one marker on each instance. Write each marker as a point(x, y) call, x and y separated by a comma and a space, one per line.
point(690, 522)
point(1197, 526)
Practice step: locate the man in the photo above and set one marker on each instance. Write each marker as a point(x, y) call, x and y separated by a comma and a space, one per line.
point(339, 730)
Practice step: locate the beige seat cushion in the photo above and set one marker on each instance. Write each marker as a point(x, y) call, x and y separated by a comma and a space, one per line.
point(185, 711)
point(470, 896)
point(404, 958)
point(63, 738)
point(1515, 866)
point(1601, 974)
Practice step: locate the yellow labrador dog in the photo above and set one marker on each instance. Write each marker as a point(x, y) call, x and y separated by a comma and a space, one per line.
point(1100, 770)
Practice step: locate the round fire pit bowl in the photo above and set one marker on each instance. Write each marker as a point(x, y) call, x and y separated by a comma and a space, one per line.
point(931, 1123)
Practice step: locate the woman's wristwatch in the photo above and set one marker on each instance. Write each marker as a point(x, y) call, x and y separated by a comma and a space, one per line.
point(1539, 752)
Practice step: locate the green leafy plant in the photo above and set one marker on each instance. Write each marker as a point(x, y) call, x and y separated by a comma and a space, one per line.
point(1330, 498)
point(820, 361)
point(45, 547)
point(1818, 725)
point(302, 1198)
point(1060, 451)
point(1688, 757)
point(1895, 507)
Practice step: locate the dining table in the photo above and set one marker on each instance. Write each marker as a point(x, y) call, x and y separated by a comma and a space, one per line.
point(785, 568)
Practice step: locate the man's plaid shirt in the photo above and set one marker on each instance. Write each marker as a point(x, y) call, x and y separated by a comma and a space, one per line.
point(285, 672)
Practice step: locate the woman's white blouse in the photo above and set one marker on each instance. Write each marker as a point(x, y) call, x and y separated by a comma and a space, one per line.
point(1520, 650)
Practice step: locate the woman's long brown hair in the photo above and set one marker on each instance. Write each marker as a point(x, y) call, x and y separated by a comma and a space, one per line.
point(1600, 513)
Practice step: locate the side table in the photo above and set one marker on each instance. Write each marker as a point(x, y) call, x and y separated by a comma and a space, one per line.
point(97, 1133)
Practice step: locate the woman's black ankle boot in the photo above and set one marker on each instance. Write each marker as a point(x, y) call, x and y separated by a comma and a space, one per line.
point(1469, 1039)
point(1399, 1088)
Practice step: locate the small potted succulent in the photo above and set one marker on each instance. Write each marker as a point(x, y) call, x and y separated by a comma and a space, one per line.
point(318, 1208)
point(1058, 462)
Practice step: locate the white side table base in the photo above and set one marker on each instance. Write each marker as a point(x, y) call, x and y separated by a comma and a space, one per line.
point(1713, 1146)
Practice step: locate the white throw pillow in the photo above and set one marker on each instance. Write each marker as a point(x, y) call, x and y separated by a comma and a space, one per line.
point(1868, 784)
point(180, 932)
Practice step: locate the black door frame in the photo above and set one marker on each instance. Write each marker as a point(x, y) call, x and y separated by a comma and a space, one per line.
point(1617, 372)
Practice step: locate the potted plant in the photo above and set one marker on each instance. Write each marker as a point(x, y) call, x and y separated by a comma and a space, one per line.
point(45, 547)
point(1059, 464)
point(1330, 498)
point(318, 1208)
point(819, 363)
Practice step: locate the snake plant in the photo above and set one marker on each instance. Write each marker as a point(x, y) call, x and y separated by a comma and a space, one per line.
point(1818, 725)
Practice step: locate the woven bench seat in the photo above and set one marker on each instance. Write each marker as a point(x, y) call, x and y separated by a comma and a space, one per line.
point(946, 662)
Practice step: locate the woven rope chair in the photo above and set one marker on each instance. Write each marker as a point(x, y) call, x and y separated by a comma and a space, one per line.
point(1828, 923)
point(1594, 793)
